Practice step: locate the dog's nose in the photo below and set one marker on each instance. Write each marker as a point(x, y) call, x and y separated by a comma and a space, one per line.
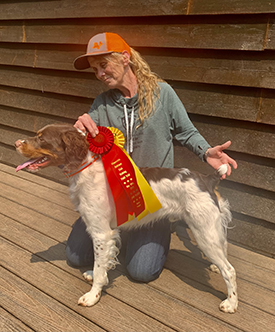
point(18, 143)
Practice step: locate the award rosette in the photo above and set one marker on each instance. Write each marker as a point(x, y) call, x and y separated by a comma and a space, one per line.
point(133, 196)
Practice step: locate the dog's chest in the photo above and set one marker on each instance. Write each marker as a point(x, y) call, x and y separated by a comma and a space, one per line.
point(90, 192)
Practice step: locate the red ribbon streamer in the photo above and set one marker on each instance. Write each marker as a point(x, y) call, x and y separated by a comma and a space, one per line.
point(120, 175)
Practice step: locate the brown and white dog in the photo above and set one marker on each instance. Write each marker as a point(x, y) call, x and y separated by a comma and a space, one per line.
point(184, 195)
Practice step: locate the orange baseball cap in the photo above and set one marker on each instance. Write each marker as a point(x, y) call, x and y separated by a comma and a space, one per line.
point(102, 43)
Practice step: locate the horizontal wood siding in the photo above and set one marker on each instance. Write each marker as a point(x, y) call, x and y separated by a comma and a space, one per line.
point(219, 56)
point(118, 8)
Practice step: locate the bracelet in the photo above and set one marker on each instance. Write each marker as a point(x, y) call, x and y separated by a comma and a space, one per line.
point(206, 154)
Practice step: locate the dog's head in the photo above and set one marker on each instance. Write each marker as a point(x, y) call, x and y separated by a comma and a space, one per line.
point(53, 145)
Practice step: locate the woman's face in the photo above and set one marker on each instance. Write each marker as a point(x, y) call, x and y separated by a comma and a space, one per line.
point(111, 73)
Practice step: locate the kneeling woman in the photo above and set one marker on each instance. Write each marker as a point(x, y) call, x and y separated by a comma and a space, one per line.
point(149, 114)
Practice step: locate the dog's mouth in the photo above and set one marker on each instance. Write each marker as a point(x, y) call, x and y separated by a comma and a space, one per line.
point(33, 165)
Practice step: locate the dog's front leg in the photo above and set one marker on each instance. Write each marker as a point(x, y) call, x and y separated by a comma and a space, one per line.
point(93, 296)
point(105, 253)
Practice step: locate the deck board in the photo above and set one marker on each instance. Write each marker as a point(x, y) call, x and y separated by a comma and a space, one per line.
point(9, 323)
point(39, 290)
point(40, 311)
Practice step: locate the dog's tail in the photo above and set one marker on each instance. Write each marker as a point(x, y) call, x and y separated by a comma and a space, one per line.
point(226, 216)
point(212, 181)
point(214, 178)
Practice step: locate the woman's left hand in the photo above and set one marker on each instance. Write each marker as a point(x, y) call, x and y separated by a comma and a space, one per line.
point(215, 157)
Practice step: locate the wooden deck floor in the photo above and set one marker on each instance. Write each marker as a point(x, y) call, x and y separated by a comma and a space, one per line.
point(39, 291)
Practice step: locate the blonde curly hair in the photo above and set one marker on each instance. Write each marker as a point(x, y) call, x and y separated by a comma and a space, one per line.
point(147, 82)
point(148, 88)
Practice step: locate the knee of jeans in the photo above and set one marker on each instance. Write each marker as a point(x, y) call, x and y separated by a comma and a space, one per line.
point(73, 259)
point(143, 275)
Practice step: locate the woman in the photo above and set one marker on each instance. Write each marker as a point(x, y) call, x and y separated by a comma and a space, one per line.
point(150, 115)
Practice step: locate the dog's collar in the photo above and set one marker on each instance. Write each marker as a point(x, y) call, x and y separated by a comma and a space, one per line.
point(83, 166)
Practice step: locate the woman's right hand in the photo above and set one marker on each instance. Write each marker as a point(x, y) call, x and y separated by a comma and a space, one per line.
point(85, 123)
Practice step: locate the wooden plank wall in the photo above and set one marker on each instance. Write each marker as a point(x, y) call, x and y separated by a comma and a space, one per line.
point(218, 55)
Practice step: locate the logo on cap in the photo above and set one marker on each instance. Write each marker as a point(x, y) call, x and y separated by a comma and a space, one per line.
point(97, 45)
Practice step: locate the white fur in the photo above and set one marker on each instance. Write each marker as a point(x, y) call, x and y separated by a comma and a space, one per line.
point(181, 200)
point(222, 169)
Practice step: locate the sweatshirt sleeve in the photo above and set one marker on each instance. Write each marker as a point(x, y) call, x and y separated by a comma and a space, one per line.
point(181, 126)
point(93, 112)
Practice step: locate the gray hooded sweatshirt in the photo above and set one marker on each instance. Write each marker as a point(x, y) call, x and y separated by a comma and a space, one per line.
point(150, 145)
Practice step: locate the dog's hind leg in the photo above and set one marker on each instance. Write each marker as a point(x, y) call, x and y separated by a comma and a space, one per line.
point(214, 251)
point(229, 275)
point(213, 267)
point(211, 238)
point(105, 251)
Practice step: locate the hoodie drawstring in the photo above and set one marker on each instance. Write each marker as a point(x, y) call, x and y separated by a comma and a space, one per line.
point(129, 130)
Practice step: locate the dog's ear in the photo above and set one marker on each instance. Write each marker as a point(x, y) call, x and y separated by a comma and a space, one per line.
point(75, 148)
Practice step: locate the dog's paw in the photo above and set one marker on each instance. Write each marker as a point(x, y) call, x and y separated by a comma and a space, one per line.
point(214, 268)
point(227, 306)
point(88, 275)
point(89, 299)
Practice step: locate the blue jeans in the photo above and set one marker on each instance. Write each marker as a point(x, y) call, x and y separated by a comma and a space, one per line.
point(146, 249)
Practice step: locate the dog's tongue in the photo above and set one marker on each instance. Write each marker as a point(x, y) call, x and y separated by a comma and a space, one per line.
point(25, 164)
